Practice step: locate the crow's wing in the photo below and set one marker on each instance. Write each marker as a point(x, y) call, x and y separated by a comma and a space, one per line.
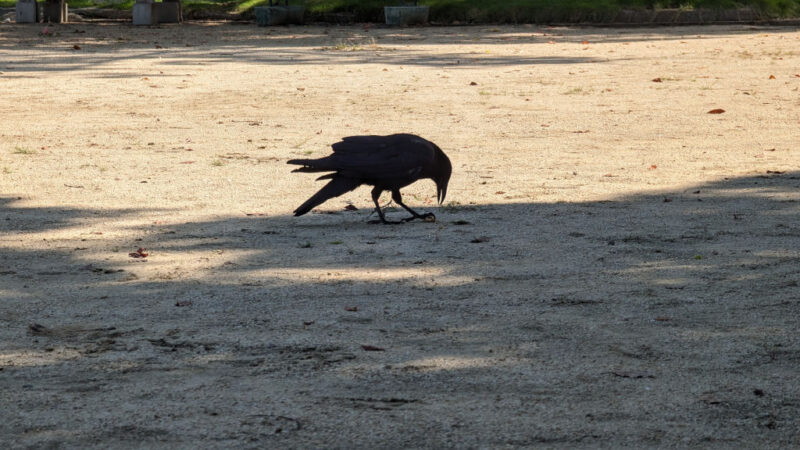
point(379, 157)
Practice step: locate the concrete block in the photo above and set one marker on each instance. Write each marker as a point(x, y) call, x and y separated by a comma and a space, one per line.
point(295, 14)
point(727, 15)
point(145, 13)
point(691, 17)
point(666, 16)
point(169, 11)
point(55, 11)
point(624, 16)
point(271, 15)
point(26, 11)
point(748, 15)
point(406, 15)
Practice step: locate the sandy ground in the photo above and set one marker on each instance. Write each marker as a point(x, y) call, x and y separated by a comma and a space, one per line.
point(613, 266)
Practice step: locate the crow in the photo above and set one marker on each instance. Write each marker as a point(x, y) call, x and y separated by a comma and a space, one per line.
point(386, 162)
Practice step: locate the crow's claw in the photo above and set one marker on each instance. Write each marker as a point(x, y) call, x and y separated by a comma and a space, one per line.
point(427, 217)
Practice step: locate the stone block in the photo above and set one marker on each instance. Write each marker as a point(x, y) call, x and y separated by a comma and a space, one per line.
point(295, 14)
point(406, 15)
point(169, 11)
point(748, 15)
point(26, 11)
point(727, 15)
point(271, 15)
point(145, 13)
point(666, 16)
point(642, 16)
point(707, 15)
point(624, 16)
point(55, 12)
point(690, 17)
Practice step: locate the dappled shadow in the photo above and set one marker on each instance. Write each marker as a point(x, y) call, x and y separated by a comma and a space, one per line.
point(19, 219)
point(99, 45)
point(655, 312)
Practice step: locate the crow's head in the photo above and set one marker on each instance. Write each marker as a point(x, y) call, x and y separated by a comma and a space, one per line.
point(441, 174)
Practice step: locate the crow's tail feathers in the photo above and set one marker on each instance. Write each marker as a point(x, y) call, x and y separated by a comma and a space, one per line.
point(309, 165)
point(336, 187)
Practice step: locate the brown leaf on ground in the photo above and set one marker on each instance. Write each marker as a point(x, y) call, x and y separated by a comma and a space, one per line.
point(656, 80)
point(716, 111)
point(140, 253)
point(351, 308)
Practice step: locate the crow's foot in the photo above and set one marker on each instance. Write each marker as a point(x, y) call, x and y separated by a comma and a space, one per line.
point(427, 217)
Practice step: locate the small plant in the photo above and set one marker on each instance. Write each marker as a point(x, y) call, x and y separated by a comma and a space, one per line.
point(336, 242)
point(6, 170)
point(23, 151)
point(217, 163)
point(575, 91)
point(354, 45)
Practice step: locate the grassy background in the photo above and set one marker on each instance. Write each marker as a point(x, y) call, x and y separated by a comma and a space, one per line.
point(469, 10)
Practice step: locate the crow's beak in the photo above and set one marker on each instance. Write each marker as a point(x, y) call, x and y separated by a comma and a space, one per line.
point(441, 192)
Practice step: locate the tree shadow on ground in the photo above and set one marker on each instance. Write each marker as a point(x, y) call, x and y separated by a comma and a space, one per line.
point(104, 44)
point(642, 320)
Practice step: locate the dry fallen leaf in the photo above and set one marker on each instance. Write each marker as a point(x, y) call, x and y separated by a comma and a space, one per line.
point(351, 308)
point(184, 303)
point(372, 348)
point(772, 77)
point(716, 111)
point(76, 47)
point(140, 253)
point(656, 80)
point(585, 42)
point(500, 192)
point(653, 167)
point(472, 83)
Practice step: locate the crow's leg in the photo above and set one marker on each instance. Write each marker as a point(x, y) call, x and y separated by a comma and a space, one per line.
point(376, 193)
point(414, 215)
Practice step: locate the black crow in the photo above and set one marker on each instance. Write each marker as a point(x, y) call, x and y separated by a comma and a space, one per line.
point(386, 162)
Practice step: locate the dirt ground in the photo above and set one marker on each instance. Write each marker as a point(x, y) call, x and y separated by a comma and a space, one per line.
point(613, 266)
